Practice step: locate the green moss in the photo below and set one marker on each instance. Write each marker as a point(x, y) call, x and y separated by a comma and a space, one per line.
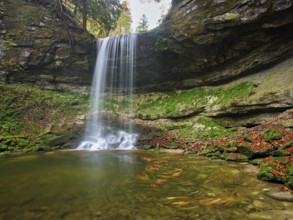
point(29, 115)
point(264, 174)
point(23, 108)
point(176, 104)
point(280, 153)
point(161, 44)
point(269, 170)
point(232, 16)
point(271, 134)
point(234, 157)
point(181, 103)
point(256, 161)
point(116, 104)
point(232, 145)
point(203, 128)
point(289, 178)
point(287, 145)
point(245, 150)
point(247, 138)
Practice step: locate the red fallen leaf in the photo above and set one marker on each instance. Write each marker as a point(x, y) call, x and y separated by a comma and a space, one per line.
point(285, 189)
point(154, 186)
point(278, 173)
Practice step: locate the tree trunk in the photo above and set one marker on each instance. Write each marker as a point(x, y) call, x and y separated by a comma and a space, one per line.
point(84, 14)
point(60, 7)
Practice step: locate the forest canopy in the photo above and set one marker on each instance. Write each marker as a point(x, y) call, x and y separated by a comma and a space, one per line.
point(97, 16)
point(102, 18)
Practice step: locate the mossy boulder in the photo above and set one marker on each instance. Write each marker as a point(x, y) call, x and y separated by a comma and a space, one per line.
point(57, 141)
point(246, 150)
point(12, 142)
point(234, 157)
point(280, 153)
point(275, 169)
point(289, 178)
point(271, 134)
point(63, 140)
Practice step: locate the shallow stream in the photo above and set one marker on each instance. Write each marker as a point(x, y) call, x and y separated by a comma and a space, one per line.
point(132, 185)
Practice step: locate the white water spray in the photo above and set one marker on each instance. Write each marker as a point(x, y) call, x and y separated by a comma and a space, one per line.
point(115, 67)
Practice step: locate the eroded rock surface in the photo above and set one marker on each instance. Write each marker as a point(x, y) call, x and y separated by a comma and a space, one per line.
point(39, 48)
point(209, 42)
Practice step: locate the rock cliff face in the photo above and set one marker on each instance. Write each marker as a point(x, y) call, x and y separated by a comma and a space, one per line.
point(39, 48)
point(208, 42)
point(202, 45)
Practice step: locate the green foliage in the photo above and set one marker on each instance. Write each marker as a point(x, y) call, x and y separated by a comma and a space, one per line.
point(124, 21)
point(247, 138)
point(28, 110)
point(289, 178)
point(116, 105)
point(179, 103)
point(203, 128)
point(274, 169)
point(142, 25)
point(30, 116)
point(232, 144)
point(102, 15)
point(271, 134)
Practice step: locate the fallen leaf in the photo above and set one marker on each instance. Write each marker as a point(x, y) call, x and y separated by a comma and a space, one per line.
point(171, 198)
point(180, 203)
point(143, 176)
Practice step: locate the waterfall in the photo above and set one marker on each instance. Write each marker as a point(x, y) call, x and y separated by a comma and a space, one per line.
point(114, 71)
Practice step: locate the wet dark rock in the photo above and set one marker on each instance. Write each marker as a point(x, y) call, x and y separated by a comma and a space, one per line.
point(58, 141)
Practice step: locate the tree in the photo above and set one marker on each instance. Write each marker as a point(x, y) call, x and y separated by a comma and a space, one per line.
point(123, 25)
point(84, 14)
point(60, 6)
point(97, 16)
point(143, 24)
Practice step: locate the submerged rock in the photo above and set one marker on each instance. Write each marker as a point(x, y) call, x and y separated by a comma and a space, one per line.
point(282, 196)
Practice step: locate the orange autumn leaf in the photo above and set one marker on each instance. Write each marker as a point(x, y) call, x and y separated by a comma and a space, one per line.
point(146, 159)
point(143, 176)
point(160, 181)
point(218, 201)
point(150, 169)
point(180, 203)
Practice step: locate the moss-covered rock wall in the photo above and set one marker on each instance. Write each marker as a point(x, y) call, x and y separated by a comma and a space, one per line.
point(40, 48)
point(209, 42)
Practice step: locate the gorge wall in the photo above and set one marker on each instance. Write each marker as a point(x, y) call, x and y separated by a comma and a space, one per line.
point(214, 41)
point(202, 44)
point(215, 44)
point(40, 48)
